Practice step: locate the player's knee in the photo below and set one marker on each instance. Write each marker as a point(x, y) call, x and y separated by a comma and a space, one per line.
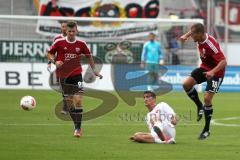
point(136, 136)
point(186, 85)
point(139, 138)
point(78, 100)
point(78, 104)
point(207, 100)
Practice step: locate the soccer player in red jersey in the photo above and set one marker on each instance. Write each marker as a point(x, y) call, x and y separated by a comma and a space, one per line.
point(62, 35)
point(63, 31)
point(59, 36)
point(69, 71)
point(211, 70)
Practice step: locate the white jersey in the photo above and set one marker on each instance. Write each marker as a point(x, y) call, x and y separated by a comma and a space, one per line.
point(161, 113)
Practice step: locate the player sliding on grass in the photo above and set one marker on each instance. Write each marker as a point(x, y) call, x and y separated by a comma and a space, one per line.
point(69, 71)
point(211, 71)
point(161, 121)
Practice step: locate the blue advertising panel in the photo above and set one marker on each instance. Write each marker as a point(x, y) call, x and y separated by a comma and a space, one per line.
point(176, 74)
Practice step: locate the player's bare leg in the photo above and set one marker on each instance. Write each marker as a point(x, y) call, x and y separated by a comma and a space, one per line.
point(188, 86)
point(137, 133)
point(142, 138)
point(69, 101)
point(75, 110)
point(77, 100)
point(208, 111)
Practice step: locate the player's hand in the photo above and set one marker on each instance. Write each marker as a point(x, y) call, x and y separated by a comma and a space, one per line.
point(59, 64)
point(98, 75)
point(209, 75)
point(174, 120)
point(153, 120)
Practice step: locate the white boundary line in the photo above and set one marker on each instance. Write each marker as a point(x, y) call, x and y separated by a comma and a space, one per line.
point(214, 122)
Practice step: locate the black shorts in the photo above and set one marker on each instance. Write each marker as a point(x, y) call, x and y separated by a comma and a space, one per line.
point(212, 84)
point(72, 85)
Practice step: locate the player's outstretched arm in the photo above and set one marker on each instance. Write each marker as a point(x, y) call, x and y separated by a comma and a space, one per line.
point(185, 37)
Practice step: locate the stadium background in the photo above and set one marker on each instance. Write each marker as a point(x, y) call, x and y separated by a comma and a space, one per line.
point(41, 133)
point(27, 41)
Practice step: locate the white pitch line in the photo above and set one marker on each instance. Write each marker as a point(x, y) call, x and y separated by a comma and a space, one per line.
point(214, 122)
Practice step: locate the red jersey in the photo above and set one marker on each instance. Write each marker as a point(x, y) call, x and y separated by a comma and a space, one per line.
point(69, 53)
point(58, 37)
point(211, 54)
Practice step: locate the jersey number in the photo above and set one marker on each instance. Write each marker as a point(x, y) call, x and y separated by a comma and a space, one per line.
point(80, 84)
point(215, 85)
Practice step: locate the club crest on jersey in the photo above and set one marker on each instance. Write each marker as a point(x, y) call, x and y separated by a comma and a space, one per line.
point(77, 50)
point(65, 48)
point(203, 53)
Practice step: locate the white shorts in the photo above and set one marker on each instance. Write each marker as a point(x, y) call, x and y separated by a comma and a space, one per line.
point(169, 132)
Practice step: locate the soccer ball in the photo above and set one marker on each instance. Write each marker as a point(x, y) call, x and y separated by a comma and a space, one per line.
point(28, 102)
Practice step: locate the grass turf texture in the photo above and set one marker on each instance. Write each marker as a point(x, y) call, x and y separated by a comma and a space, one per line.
point(39, 134)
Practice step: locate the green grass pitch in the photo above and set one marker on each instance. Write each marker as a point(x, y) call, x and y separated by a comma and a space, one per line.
point(40, 135)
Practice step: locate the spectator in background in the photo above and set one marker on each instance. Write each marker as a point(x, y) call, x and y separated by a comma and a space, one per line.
point(199, 14)
point(181, 15)
point(173, 47)
point(152, 55)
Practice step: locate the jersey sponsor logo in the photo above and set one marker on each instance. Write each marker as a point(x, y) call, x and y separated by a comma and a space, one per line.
point(69, 56)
